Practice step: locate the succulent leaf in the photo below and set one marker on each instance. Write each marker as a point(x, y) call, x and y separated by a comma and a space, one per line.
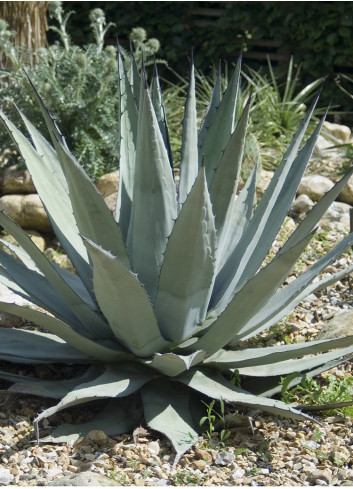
point(188, 267)
point(125, 304)
point(154, 206)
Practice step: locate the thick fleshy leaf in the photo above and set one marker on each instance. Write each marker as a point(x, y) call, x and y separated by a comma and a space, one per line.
point(187, 272)
point(242, 307)
point(268, 217)
point(189, 161)
point(157, 102)
point(222, 126)
point(253, 357)
point(225, 181)
point(38, 289)
point(118, 416)
point(94, 219)
point(316, 213)
point(127, 148)
point(154, 206)
point(287, 367)
point(172, 365)
point(95, 324)
point(125, 304)
point(166, 409)
point(106, 351)
point(56, 202)
point(215, 386)
point(119, 380)
point(211, 110)
point(52, 389)
point(238, 216)
point(27, 346)
point(284, 301)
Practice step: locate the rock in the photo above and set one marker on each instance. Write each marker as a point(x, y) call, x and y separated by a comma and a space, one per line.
point(314, 186)
point(153, 447)
point(108, 183)
point(17, 181)
point(318, 474)
point(60, 259)
point(97, 436)
point(5, 477)
point(224, 458)
point(110, 200)
point(336, 218)
point(343, 133)
point(84, 479)
point(27, 210)
point(263, 181)
point(340, 325)
point(346, 195)
point(203, 455)
point(35, 236)
point(301, 206)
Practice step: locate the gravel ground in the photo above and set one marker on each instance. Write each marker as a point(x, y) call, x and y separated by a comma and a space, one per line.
point(263, 450)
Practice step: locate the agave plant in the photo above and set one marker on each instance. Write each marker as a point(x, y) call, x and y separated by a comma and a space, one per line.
point(170, 279)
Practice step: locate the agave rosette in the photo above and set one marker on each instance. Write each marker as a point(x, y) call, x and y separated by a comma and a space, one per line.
point(164, 284)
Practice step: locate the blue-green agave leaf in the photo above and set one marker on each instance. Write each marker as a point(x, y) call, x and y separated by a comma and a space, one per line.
point(94, 219)
point(53, 389)
point(158, 105)
point(94, 323)
point(234, 319)
point(27, 346)
point(127, 148)
point(188, 268)
point(55, 200)
point(211, 110)
point(166, 408)
point(253, 357)
point(287, 367)
point(268, 217)
point(125, 304)
point(284, 301)
point(215, 386)
point(189, 161)
point(172, 365)
point(38, 289)
point(238, 216)
point(154, 206)
point(119, 380)
point(106, 350)
point(225, 181)
point(20, 254)
point(221, 127)
point(119, 416)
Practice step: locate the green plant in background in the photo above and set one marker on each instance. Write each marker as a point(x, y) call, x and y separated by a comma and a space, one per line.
point(331, 390)
point(78, 84)
point(213, 418)
point(168, 281)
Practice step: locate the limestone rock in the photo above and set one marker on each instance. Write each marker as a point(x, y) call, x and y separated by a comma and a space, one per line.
point(314, 186)
point(343, 133)
point(301, 206)
point(110, 200)
point(108, 183)
point(340, 325)
point(346, 195)
point(84, 479)
point(27, 210)
point(336, 218)
point(263, 181)
point(17, 181)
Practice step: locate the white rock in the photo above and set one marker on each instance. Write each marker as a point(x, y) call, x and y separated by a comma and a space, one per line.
point(343, 133)
point(314, 186)
point(336, 218)
point(301, 205)
point(340, 325)
point(153, 447)
point(347, 193)
point(5, 477)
